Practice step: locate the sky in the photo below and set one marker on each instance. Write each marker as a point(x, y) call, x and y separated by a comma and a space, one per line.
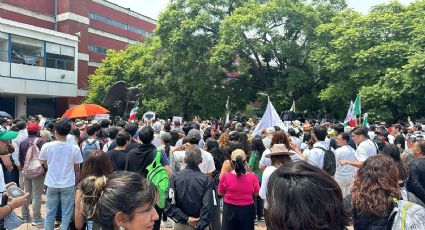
point(152, 8)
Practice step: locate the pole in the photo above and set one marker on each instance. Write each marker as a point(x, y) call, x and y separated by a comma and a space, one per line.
point(360, 109)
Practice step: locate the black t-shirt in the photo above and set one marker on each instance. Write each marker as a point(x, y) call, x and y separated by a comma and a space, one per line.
point(400, 140)
point(118, 158)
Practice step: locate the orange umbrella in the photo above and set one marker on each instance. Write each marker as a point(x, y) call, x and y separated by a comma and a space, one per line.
point(84, 110)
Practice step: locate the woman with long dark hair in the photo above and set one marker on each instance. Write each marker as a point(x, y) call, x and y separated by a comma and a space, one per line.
point(302, 196)
point(394, 152)
point(238, 188)
point(374, 188)
point(257, 148)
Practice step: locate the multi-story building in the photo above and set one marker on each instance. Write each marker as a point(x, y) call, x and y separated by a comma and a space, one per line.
point(48, 48)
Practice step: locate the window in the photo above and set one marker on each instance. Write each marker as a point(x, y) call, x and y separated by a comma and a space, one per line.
point(4, 47)
point(97, 49)
point(60, 56)
point(118, 24)
point(27, 51)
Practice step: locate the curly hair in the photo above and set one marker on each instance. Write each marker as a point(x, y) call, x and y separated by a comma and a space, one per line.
point(375, 185)
point(223, 140)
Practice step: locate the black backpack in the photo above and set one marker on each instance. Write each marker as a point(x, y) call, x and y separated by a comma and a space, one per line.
point(329, 162)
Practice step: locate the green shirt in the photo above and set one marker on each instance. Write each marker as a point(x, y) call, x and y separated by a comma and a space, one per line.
point(254, 161)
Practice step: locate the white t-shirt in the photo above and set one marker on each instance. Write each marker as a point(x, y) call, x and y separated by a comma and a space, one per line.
point(317, 156)
point(207, 165)
point(365, 149)
point(71, 139)
point(264, 181)
point(60, 157)
point(344, 153)
point(156, 140)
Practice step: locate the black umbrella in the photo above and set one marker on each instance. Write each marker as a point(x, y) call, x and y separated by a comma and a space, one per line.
point(4, 114)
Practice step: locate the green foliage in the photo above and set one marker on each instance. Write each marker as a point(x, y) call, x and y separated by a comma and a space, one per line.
point(318, 53)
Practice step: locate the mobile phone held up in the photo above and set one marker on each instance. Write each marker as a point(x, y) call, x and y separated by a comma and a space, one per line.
point(14, 191)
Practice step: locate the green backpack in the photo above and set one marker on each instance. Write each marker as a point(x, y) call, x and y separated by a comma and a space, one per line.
point(159, 177)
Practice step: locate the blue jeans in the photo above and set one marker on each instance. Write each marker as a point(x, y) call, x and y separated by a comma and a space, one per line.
point(66, 197)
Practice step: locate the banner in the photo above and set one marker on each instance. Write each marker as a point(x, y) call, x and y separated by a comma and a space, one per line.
point(270, 118)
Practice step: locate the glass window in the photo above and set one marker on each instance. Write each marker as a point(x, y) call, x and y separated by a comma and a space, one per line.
point(27, 51)
point(60, 56)
point(4, 47)
point(118, 24)
point(97, 49)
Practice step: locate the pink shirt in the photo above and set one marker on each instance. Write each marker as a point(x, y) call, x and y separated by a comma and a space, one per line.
point(239, 191)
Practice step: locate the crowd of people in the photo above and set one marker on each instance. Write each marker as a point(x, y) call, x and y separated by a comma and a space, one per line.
point(204, 175)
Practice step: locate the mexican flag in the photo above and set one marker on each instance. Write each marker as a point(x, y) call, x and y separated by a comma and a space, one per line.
point(357, 106)
point(350, 119)
point(133, 112)
point(365, 120)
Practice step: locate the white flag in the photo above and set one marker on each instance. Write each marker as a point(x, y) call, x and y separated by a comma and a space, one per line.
point(270, 118)
point(292, 107)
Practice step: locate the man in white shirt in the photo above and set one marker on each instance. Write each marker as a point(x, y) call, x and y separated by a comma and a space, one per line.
point(317, 153)
point(207, 165)
point(365, 147)
point(344, 174)
point(62, 160)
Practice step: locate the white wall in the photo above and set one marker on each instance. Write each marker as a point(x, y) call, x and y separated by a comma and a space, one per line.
point(27, 71)
point(10, 85)
point(60, 75)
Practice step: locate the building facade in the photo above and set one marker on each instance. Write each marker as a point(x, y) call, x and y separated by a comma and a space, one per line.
point(48, 48)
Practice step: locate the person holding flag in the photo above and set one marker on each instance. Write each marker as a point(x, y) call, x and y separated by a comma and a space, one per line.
point(133, 112)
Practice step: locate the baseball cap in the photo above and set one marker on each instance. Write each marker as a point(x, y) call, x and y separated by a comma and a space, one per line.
point(34, 127)
point(236, 153)
point(7, 135)
point(194, 135)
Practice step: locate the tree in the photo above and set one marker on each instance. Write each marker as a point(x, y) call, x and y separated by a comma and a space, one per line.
point(378, 55)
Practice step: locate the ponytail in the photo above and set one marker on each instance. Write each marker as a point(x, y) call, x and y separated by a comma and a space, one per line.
point(239, 166)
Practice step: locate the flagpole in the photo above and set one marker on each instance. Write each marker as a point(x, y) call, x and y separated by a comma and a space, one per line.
point(360, 109)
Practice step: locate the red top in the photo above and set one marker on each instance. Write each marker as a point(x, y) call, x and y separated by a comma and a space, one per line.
point(239, 190)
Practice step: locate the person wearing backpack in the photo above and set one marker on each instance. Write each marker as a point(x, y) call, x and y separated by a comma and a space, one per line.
point(322, 155)
point(152, 164)
point(91, 143)
point(376, 198)
point(29, 151)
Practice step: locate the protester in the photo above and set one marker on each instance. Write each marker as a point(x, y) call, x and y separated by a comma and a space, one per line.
point(416, 181)
point(191, 203)
point(131, 129)
point(13, 175)
point(375, 185)
point(238, 189)
point(399, 139)
point(279, 137)
point(278, 156)
point(302, 196)
point(257, 148)
point(139, 158)
point(394, 152)
point(317, 153)
point(365, 147)
point(267, 140)
point(122, 200)
point(97, 164)
point(32, 185)
point(157, 134)
point(344, 174)
point(63, 159)
point(112, 134)
point(6, 148)
point(407, 155)
point(207, 166)
point(119, 154)
point(91, 143)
